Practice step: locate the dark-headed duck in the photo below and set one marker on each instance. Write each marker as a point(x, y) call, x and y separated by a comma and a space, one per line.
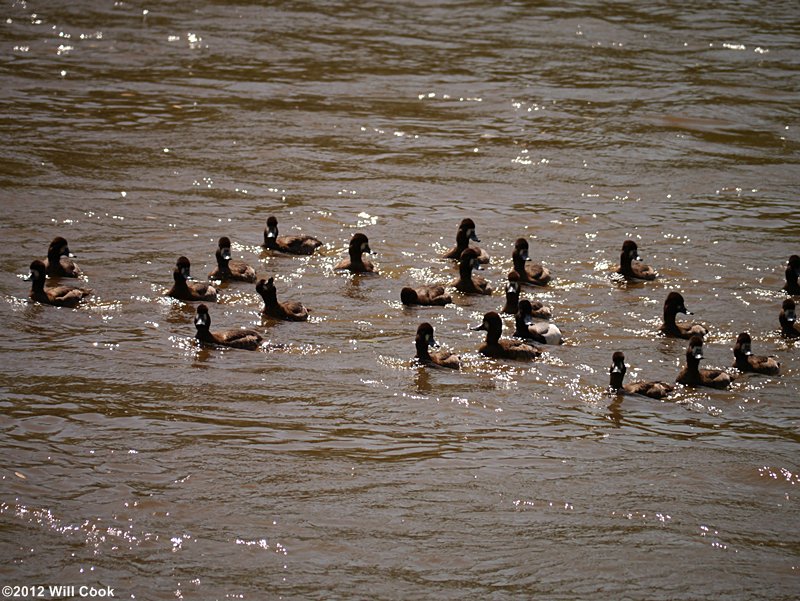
point(230, 269)
point(243, 339)
point(355, 263)
point(534, 273)
point(673, 305)
point(631, 270)
point(60, 296)
point(466, 282)
point(287, 310)
point(512, 295)
point(296, 244)
point(745, 360)
point(465, 233)
point(425, 295)
point(542, 332)
point(792, 286)
point(58, 263)
point(788, 319)
point(184, 288)
point(424, 340)
point(692, 375)
point(655, 390)
point(503, 348)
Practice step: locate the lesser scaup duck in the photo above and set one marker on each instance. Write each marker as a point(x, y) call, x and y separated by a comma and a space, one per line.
point(788, 319)
point(792, 286)
point(654, 390)
point(296, 244)
point(512, 295)
point(505, 348)
point(230, 269)
point(287, 310)
point(242, 339)
point(534, 273)
point(542, 332)
point(745, 360)
point(673, 305)
point(60, 296)
point(629, 269)
point(467, 282)
point(692, 375)
point(58, 263)
point(184, 288)
point(424, 340)
point(425, 295)
point(355, 263)
point(465, 233)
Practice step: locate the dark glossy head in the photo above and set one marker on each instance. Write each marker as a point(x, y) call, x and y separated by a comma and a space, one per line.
point(469, 257)
point(224, 245)
point(408, 296)
point(202, 319)
point(695, 349)
point(743, 342)
point(789, 310)
point(468, 227)
point(360, 244)
point(37, 272)
point(491, 323)
point(631, 250)
point(618, 363)
point(675, 304)
point(272, 227)
point(59, 248)
point(525, 310)
point(425, 335)
point(182, 267)
point(794, 263)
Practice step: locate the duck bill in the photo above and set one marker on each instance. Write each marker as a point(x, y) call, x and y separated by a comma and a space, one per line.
point(226, 254)
point(473, 236)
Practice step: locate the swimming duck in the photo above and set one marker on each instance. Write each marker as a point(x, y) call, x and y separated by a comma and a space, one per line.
point(60, 296)
point(788, 320)
point(425, 295)
point(528, 274)
point(287, 310)
point(230, 269)
point(248, 340)
point(654, 390)
point(296, 244)
point(505, 348)
point(465, 233)
point(467, 282)
point(423, 340)
point(184, 288)
point(745, 360)
point(792, 273)
point(631, 270)
point(542, 332)
point(692, 375)
point(359, 244)
point(673, 305)
point(512, 295)
point(58, 263)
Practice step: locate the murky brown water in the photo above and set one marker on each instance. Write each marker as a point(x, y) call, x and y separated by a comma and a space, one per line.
point(327, 466)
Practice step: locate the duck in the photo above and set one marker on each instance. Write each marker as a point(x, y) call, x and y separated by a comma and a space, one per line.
point(629, 269)
point(692, 375)
point(792, 286)
point(359, 244)
point(296, 244)
point(58, 263)
point(465, 233)
point(287, 310)
point(59, 296)
point(424, 340)
point(428, 295)
point(745, 360)
point(788, 319)
point(248, 340)
point(654, 390)
point(504, 348)
point(230, 269)
point(673, 305)
point(533, 274)
point(466, 282)
point(185, 289)
point(542, 332)
point(512, 295)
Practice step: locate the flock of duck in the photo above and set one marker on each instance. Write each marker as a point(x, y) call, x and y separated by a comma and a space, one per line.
point(532, 325)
